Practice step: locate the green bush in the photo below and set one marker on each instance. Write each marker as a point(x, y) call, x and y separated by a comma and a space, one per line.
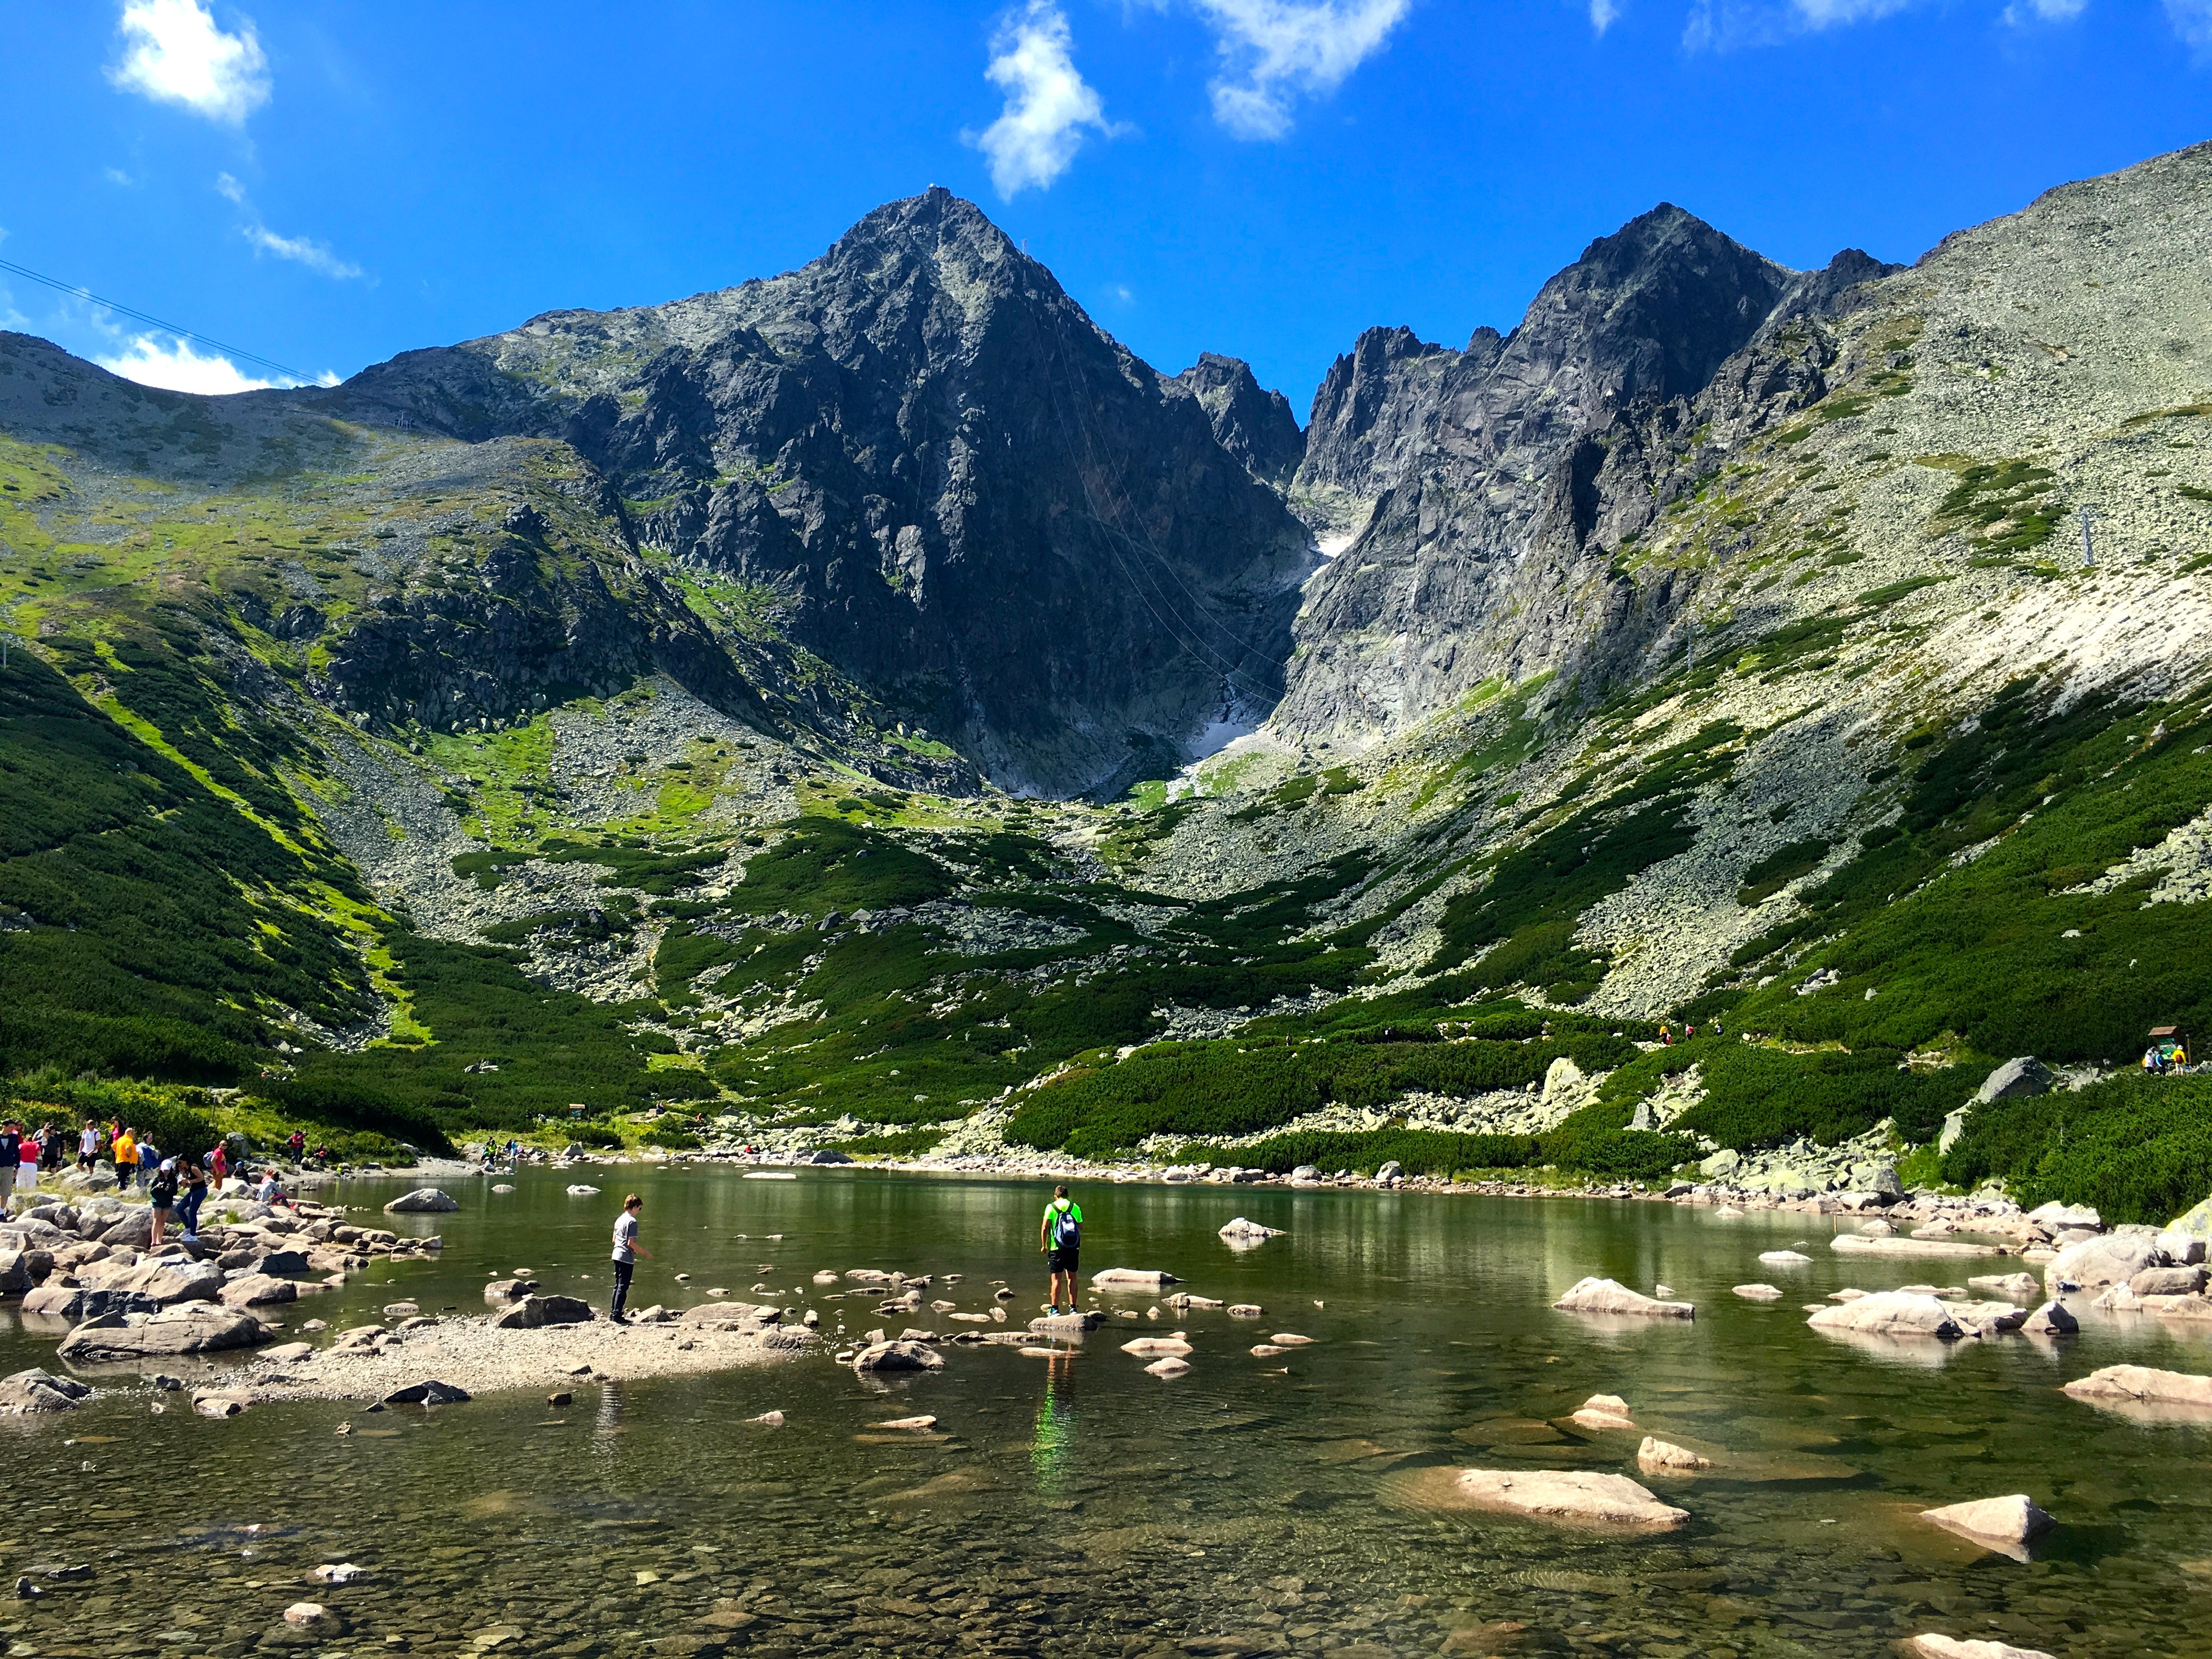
point(2138, 1148)
point(674, 1133)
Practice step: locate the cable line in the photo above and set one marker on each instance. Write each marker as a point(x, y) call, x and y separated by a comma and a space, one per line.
point(254, 358)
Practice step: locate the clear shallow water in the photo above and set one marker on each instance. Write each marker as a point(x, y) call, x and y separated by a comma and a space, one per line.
point(1083, 1507)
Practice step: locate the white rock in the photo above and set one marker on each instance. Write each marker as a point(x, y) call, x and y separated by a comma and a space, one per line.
point(2014, 1520)
point(1860, 1244)
point(1169, 1366)
point(580, 1190)
point(2018, 1285)
point(1170, 1346)
point(1758, 1292)
point(1572, 1495)
point(2052, 1319)
point(1783, 1258)
point(306, 1615)
point(340, 1572)
point(2143, 1384)
point(1889, 1313)
point(1605, 1296)
point(1663, 1458)
point(914, 1423)
point(1242, 1229)
point(2093, 1263)
point(771, 1420)
point(1291, 1340)
point(423, 1201)
point(1135, 1278)
point(1931, 1646)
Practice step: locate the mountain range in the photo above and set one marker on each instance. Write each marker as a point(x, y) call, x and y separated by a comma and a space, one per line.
point(872, 702)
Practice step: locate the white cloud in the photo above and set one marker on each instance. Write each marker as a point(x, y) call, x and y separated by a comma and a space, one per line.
point(1048, 104)
point(314, 255)
point(1828, 13)
point(175, 367)
point(1603, 14)
point(303, 250)
point(2192, 21)
point(1277, 48)
point(176, 55)
point(118, 176)
point(2044, 11)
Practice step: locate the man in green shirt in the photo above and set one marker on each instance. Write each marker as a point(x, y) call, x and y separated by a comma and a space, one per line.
point(1060, 1236)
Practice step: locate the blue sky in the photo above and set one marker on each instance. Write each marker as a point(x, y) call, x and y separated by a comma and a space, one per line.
point(329, 182)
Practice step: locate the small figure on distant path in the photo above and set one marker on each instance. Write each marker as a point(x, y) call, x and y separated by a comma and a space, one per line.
point(1060, 1236)
point(626, 1252)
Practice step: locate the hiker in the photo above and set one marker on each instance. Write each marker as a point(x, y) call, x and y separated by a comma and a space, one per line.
point(87, 1145)
point(297, 1144)
point(50, 1137)
point(270, 1191)
point(1060, 1236)
point(28, 1156)
point(1717, 1028)
point(1665, 1037)
point(162, 1189)
point(195, 1194)
point(124, 1151)
point(2152, 1061)
point(219, 1165)
point(626, 1252)
point(11, 1153)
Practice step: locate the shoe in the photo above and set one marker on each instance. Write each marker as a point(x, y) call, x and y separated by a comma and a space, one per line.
point(1052, 1310)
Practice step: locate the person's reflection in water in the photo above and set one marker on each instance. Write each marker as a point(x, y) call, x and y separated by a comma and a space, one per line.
point(607, 1427)
point(1055, 1422)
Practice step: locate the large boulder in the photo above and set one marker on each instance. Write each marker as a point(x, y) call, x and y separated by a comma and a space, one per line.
point(193, 1327)
point(2195, 1223)
point(2168, 1282)
point(429, 1392)
point(1605, 1296)
point(2094, 1263)
point(2025, 1076)
point(2011, 1521)
point(161, 1283)
point(35, 1390)
point(898, 1356)
point(534, 1312)
point(1889, 1313)
point(1132, 1279)
point(1581, 1498)
point(2141, 1385)
point(259, 1290)
point(423, 1201)
point(1242, 1231)
point(22, 1269)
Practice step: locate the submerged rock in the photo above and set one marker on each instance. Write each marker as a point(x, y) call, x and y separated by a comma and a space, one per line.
point(1947, 1647)
point(2020, 1286)
point(1605, 1296)
point(1758, 1292)
point(1171, 1366)
point(1134, 1279)
point(1573, 1497)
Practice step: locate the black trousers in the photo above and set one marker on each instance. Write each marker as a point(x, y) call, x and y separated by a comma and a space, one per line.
point(622, 1271)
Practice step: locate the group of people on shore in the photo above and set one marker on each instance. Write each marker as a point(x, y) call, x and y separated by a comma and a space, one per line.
point(175, 1187)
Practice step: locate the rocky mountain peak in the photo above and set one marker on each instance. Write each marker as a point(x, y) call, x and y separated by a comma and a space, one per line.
point(1256, 426)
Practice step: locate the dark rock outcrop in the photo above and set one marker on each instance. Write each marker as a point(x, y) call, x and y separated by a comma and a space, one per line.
point(945, 479)
point(1506, 475)
point(1254, 426)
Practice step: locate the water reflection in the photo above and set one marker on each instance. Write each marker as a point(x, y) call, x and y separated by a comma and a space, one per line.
point(1075, 1504)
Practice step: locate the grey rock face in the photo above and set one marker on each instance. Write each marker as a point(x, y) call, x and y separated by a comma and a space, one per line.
point(955, 489)
point(1370, 415)
point(1254, 426)
point(1507, 476)
point(2025, 1076)
point(189, 1329)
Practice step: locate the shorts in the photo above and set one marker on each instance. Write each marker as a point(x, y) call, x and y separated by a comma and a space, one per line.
point(1060, 1261)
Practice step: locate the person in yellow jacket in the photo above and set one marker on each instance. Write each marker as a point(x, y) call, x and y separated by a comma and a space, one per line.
point(126, 1159)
